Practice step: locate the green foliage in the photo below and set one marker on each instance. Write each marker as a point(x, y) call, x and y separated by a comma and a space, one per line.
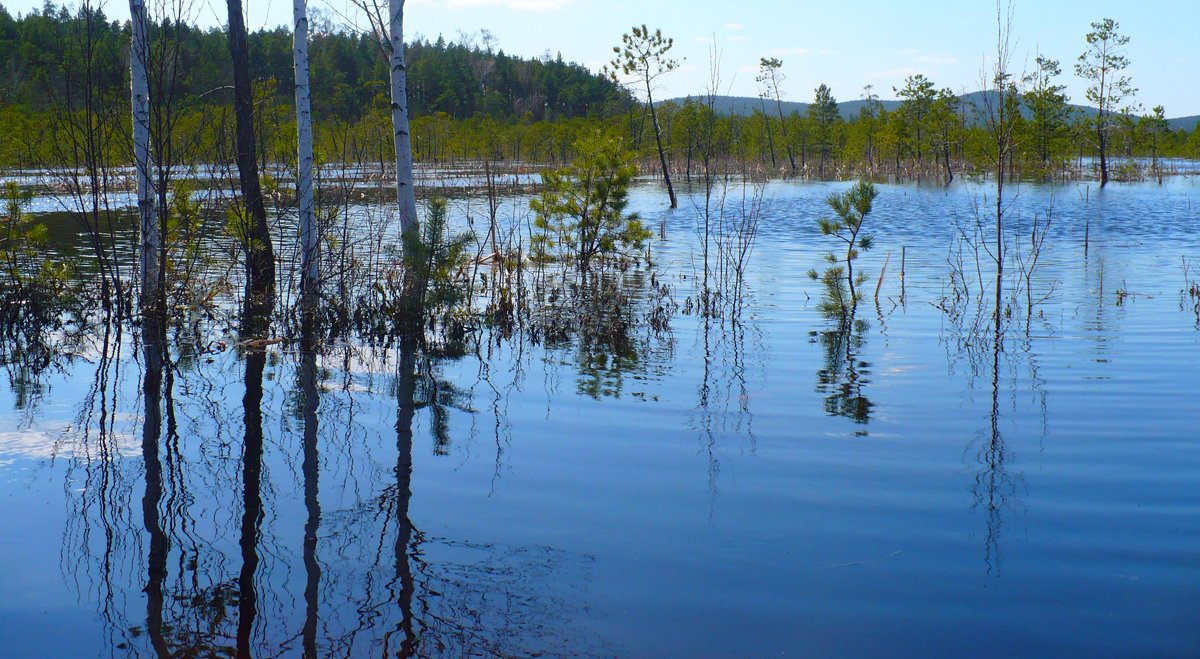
point(1153, 129)
point(945, 128)
point(435, 261)
point(23, 242)
point(642, 54)
point(839, 280)
point(1102, 64)
point(47, 53)
point(826, 121)
point(580, 213)
point(1049, 114)
point(918, 96)
point(186, 258)
point(468, 98)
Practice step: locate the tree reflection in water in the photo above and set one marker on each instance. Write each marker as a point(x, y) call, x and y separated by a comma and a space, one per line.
point(602, 321)
point(723, 414)
point(1006, 364)
point(214, 568)
point(844, 374)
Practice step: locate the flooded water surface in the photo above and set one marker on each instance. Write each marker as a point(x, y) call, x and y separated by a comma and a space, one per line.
point(742, 485)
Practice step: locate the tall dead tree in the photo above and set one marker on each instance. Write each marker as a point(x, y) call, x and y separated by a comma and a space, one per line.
point(255, 234)
point(771, 77)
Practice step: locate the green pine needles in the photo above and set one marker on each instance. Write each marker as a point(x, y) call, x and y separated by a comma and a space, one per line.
point(435, 260)
point(839, 279)
point(580, 214)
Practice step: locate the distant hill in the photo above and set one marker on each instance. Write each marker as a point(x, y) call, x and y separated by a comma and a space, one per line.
point(747, 105)
point(743, 106)
point(1184, 123)
point(40, 51)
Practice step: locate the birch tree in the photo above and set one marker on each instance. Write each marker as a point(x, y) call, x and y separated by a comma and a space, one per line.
point(389, 34)
point(309, 238)
point(148, 226)
point(405, 196)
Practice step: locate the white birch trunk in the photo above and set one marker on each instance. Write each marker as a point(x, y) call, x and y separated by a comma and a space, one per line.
point(148, 227)
point(404, 163)
point(309, 238)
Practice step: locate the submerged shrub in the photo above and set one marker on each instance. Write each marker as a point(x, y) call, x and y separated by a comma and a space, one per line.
point(580, 213)
point(29, 275)
point(839, 279)
point(436, 261)
point(428, 287)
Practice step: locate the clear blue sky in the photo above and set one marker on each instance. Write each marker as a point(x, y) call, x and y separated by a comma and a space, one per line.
point(845, 44)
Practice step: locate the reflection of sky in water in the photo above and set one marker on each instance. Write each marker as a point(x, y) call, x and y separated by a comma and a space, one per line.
point(705, 501)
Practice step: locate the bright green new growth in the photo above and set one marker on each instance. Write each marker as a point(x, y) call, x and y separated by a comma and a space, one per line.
point(839, 279)
point(580, 213)
point(22, 244)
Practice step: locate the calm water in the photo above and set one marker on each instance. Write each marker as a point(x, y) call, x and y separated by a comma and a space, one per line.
point(716, 490)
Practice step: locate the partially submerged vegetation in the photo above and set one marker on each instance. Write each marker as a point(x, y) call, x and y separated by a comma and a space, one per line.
point(470, 101)
point(384, 276)
point(839, 280)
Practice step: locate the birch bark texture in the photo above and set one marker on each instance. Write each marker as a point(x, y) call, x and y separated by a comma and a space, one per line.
point(309, 234)
point(405, 196)
point(148, 225)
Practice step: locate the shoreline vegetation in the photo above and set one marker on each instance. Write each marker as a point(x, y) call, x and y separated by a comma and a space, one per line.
point(469, 102)
point(217, 180)
point(195, 220)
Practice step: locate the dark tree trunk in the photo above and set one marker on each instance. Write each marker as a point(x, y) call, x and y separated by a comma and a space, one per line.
point(1102, 142)
point(252, 505)
point(405, 411)
point(260, 256)
point(156, 563)
point(662, 155)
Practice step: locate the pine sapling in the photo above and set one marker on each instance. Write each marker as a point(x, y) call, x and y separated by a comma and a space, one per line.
point(839, 279)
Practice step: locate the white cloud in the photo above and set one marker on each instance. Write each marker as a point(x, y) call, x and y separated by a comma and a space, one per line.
point(734, 26)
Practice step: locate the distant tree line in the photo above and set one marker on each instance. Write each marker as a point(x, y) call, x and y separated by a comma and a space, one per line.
point(47, 56)
point(470, 100)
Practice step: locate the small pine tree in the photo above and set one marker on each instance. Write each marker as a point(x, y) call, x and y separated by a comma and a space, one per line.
point(435, 260)
point(840, 282)
point(23, 245)
point(581, 211)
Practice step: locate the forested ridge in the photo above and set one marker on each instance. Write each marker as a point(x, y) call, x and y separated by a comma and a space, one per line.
point(469, 99)
point(38, 52)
